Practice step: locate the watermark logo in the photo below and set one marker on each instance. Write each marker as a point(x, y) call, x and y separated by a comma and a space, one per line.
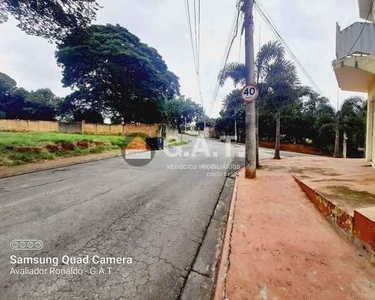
point(141, 151)
point(26, 245)
point(138, 153)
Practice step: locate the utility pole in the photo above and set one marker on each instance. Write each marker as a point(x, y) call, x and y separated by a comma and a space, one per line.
point(250, 157)
point(257, 107)
point(235, 130)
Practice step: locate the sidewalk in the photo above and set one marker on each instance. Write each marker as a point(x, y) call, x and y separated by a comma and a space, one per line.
point(279, 246)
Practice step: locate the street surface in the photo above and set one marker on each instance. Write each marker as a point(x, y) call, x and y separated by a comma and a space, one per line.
point(156, 215)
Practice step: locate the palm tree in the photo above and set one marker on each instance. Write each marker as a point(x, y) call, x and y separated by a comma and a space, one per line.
point(283, 89)
point(269, 55)
point(348, 119)
point(234, 71)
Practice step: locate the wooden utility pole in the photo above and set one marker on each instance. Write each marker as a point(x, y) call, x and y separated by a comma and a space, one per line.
point(250, 157)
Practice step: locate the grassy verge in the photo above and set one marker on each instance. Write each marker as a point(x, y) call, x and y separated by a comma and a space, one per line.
point(17, 148)
point(177, 143)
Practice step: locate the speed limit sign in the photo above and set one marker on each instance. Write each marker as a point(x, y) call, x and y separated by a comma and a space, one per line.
point(249, 93)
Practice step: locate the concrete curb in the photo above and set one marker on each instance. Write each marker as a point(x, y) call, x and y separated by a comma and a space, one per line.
point(223, 264)
point(359, 229)
point(202, 274)
point(328, 208)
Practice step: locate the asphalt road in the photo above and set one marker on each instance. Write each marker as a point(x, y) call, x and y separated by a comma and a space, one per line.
point(156, 215)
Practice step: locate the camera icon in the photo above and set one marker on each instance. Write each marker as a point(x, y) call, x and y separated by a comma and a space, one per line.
point(24, 245)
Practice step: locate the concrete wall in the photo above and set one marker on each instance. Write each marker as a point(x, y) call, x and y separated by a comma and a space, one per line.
point(72, 127)
point(171, 133)
point(81, 127)
point(359, 228)
point(150, 130)
point(364, 8)
point(25, 125)
point(292, 147)
point(92, 128)
point(345, 39)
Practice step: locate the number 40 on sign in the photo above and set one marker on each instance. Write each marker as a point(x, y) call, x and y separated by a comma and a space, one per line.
point(249, 93)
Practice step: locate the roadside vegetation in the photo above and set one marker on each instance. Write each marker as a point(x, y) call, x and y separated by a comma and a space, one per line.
point(17, 148)
point(178, 142)
point(289, 112)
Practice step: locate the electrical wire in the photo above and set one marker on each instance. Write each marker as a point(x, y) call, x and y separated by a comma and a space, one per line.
point(199, 31)
point(231, 38)
point(263, 13)
point(240, 50)
point(217, 86)
point(363, 28)
point(196, 32)
point(187, 8)
point(195, 39)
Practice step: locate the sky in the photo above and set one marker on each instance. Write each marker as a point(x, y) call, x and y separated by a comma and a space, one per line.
point(309, 27)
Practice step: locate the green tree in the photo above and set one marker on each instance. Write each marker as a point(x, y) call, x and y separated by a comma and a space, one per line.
point(13, 105)
point(232, 116)
point(234, 71)
point(179, 109)
point(270, 64)
point(282, 85)
point(116, 74)
point(49, 19)
point(349, 122)
point(210, 122)
point(18, 103)
point(312, 105)
point(6, 84)
point(78, 107)
point(42, 104)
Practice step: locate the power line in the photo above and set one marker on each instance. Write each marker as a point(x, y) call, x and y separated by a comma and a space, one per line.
point(199, 53)
point(226, 56)
point(231, 38)
point(196, 32)
point(240, 50)
point(273, 27)
point(199, 31)
point(195, 39)
point(187, 8)
point(216, 90)
point(363, 28)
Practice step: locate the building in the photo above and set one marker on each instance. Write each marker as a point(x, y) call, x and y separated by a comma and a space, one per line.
point(355, 64)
